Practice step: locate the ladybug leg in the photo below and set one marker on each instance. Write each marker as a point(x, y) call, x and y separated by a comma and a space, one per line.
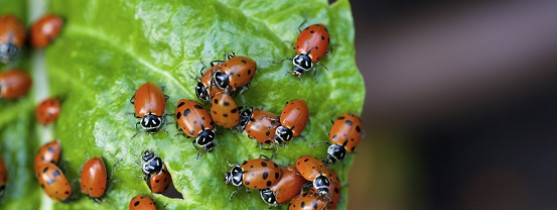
point(132, 100)
point(313, 144)
point(232, 194)
point(216, 62)
point(262, 156)
point(230, 55)
point(166, 98)
point(281, 61)
point(302, 24)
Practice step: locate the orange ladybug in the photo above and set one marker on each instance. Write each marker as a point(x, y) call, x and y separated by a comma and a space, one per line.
point(205, 89)
point(255, 174)
point(235, 72)
point(284, 190)
point(94, 178)
point(12, 37)
point(14, 84)
point(45, 30)
point(3, 176)
point(307, 201)
point(48, 153)
point(197, 123)
point(259, 125)
point(312, 44)
point(224, 110)
point(47, 111)
point(345, 136)
point(293, 120)
point(315, 171)
point(149, 102)
point(54, 182)
point(142, 202)
point(159, 182)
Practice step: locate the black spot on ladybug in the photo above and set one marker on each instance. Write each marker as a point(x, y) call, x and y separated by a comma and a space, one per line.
point(337, 190)
point(249, 71)
point(216, 101)
point(226, 103)
point(234, 110)
point(197, 106)
point(178, 115)
point(225, 115)
point(214, 112)
point(136, 203)
point(312, 31)
point(276, 175)
point(358, 128)
point(56, 173)
point(322, 38)
point(251, 119)
point(267, 141)
point(269, 183)
point(341, 118)
point(264, 164)
point(181, 104)
point(45, 169)
point(265, 175)
point(187, 112)
point(316, 47)
point(306, 160)
point(251, 166)
point(203, 118)
point(302, 204)
point(314, 204)
point(90, 188)
point(247, 183)
point(157, 181)
point(245, 162)
point(275, 165)
point(348, 122)
point(268, 133)
point(244, 61)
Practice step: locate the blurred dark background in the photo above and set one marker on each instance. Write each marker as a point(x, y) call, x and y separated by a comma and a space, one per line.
point(461, 105)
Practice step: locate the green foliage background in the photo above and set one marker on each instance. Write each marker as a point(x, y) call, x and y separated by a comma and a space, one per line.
point(108, 48)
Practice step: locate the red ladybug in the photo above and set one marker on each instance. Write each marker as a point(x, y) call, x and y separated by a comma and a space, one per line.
point(94, 178)
point(259, 125)
point(45, 30)
point(196, 122)
point(293, 120)
point(12, 37)
point(48, 153)
point(345, 136)
point(287, 188)
point(311, 45)
point(3, 176)
point(315, 171)
point(235, 72)
point(307, 201)
point(224, 110)
point(205, 89)
point(335, 189)
point(149, 102)
point(255, 174)
point(54, 182)
point(14, 84)
point(47, 111)
point(159, 182)
point(142, 202)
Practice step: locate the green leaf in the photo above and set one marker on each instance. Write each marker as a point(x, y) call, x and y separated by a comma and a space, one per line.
point(108, 48)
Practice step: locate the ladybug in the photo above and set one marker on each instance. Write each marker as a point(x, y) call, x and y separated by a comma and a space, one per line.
point(196, 122)
point(345, 136)
point(159, 182)
point(284, 190)
point(149, 102)
point(142, 202)
point(54, 182)
point(307, 201)
point(311, 45)
point(335, 189)
point(293, 120)
point(3, 176)
point(45, 30)
point(14, 84)
point(48, 153)
point(47, 111)
point(315, 171)
point(224, 110)
point(259, 125)
point(205, 89)
point(93, 178)
point(12, 37)
point(255, 174)
point(235, 72)
point(153, 164)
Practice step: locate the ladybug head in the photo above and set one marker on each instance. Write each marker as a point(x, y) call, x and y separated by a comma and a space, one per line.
point(335, 152)
point(268, 196)
point(152, 166)
point(147, 155)
point(201, 91)
point(302, 63)
point(151, 122)
point(321, 183)
point(245, 117)
point(221, 80)
point(206, 140)
point(7, 51)
point(234, 176)
point(283, 135)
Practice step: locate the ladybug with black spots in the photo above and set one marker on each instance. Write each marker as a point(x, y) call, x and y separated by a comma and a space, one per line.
point(312, 44)
point(3, 176)
point(224, 110)
point(12, 37)
point(335, 189)
point(258, 173)
point(142, 202)
point(293, 120)
point(94, 178)
point(235, 72)
point(149, 102)
point(14, 84)
point(289, 186)
point(159, 182)
point(45, 30)
point(314, 171)
point(196, 122)
point(205, 88)
point(344, 137)
point(48, 153)
point(259, 125)
point(54, 182)
point(47, 111)
point(307, 201)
